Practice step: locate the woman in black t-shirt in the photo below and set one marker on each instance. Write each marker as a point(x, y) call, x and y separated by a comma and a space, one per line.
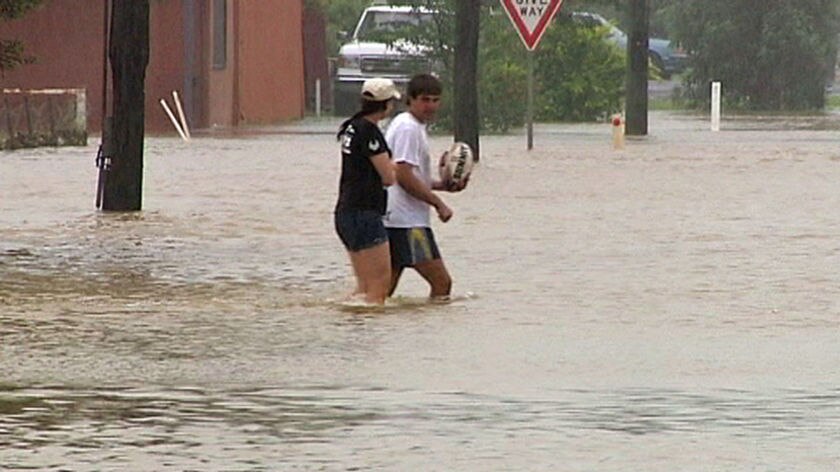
point(366, 168)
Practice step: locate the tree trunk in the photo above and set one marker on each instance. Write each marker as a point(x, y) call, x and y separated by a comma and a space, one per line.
point(465, 101)
point(129, 54)
point(637, 71)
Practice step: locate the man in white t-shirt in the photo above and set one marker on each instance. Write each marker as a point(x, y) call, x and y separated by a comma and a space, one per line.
point(407, 217)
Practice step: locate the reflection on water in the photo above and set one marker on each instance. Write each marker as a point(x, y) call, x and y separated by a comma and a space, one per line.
point(669, 307)
point(191, 428)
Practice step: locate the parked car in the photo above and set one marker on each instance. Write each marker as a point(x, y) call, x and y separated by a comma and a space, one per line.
point(367, 55)
point(667, 58)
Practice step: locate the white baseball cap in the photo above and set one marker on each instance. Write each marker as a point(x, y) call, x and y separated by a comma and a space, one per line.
point(379, 90)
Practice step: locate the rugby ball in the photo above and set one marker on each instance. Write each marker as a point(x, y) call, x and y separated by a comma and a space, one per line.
point(457, 164)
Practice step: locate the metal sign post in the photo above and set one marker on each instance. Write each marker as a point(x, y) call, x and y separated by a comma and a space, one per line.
point(529, 114)
point(531, 18)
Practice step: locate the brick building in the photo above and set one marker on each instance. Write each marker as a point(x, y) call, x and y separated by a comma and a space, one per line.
point(232, 61)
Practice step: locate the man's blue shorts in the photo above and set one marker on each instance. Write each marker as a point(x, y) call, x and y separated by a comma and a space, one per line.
point(360, 229)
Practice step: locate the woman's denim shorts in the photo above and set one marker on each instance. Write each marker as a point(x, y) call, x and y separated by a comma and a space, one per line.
point(360, 229)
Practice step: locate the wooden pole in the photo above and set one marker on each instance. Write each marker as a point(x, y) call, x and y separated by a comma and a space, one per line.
point(637, 71)
point(106, 25)
point(129, 54)
point(465, 100)
point(103, 155)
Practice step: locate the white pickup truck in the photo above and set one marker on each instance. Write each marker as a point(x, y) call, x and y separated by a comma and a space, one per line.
point(365, 56)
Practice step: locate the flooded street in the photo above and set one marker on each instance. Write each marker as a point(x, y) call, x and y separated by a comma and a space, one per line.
point(673, 306)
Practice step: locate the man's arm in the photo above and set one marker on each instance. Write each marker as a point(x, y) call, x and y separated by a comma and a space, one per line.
point(448, 185)
point(419, 190)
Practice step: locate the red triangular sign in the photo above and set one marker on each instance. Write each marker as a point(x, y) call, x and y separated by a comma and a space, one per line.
point(531, 17)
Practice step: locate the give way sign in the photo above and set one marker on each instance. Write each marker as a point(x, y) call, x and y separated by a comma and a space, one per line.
point(531, 17)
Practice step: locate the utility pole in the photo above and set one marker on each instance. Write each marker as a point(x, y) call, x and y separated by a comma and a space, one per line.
point(637, 70)
point(129, 55)
point(467, 20)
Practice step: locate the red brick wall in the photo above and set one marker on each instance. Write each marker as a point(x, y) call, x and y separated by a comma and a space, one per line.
point(315, 56)
point(66, 38)
point(270, 60)
point(165, 72)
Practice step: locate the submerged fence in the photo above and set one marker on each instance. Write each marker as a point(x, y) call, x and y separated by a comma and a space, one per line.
point(45, 117)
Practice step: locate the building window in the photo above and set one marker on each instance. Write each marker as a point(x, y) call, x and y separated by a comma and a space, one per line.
point(219, 34)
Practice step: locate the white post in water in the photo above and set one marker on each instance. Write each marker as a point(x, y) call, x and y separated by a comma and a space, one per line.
point(318, 98)
point(180, 109)
point(715, 106)
point(173, 119)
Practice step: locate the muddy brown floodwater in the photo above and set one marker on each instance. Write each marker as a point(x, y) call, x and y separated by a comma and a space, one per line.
point(673, 306)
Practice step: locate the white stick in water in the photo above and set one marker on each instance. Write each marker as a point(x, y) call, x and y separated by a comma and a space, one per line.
point(173, 119)
point(715, 106)
point(181, 114)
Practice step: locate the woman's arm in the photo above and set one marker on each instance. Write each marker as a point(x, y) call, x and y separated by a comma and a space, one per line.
point(385, 168)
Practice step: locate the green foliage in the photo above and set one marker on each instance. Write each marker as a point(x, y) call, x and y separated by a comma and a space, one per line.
point(501, 79)
point(11, 9)
point(581, 75)
point(503, 75)
point(12, 55)
point(315, 4)
point(11, 51)
point(344, 13)
point(663, 15)
point(342, 16)
point(502, 96)
point(578, 75)
point(769, 55)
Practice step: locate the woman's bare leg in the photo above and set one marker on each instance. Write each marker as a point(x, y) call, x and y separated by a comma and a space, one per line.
point(373, 272)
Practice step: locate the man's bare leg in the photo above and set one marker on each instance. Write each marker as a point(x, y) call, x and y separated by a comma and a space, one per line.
point(437, 276)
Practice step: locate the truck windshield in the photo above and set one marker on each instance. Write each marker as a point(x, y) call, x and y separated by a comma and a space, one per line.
point(377, 22)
